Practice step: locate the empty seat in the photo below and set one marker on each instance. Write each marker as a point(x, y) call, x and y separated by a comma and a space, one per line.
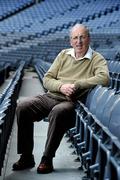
point(114, 162)
point(114, 123)
point(104, 153)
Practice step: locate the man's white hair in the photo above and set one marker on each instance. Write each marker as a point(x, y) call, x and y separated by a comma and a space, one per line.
point(79, 26)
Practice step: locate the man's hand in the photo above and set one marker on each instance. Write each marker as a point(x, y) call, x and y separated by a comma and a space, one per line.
point(67, 89)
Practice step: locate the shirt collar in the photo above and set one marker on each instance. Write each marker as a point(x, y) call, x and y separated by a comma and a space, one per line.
point(88, 55)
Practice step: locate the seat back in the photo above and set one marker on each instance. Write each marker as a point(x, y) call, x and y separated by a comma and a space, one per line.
point(114, 124)
point(90, 95)
point(95, 99)
point(103, 101)
point(114, 163)
point(105, 153)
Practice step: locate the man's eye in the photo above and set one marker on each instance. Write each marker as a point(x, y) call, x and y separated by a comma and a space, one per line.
point(75, 38)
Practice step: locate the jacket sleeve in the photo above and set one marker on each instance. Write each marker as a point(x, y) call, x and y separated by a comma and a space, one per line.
point(100, 75)
point(50, 81)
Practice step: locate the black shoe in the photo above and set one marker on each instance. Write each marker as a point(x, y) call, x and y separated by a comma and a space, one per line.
point(45, 166)
point(24, 163)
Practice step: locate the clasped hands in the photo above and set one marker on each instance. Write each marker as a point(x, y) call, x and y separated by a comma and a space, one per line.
point(67, 89)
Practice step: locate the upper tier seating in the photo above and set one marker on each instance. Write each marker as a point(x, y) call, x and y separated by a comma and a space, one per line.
point(9, 7)
point(43, 21)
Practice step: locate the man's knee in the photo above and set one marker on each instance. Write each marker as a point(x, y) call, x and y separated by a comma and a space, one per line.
point(65, 106)
point(19, 107)
point(63, 112)
point(62, 109)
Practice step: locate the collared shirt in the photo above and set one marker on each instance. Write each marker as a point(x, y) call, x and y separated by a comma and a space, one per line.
point(88, 55)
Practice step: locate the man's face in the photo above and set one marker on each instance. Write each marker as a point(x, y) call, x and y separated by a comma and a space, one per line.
point(80, 40)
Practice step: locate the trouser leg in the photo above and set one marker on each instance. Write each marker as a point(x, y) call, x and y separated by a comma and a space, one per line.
point(29, 111)
point(61, 118)
point(25, 131)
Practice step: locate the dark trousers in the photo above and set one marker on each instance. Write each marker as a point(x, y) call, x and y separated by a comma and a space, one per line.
point(61, 116)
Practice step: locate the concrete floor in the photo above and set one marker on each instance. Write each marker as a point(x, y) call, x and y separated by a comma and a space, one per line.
point(64, 162)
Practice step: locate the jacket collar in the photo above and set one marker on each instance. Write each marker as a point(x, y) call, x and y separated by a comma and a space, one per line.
point(88, 55)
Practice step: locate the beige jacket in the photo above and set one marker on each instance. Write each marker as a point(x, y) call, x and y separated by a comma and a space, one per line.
point(85, 73)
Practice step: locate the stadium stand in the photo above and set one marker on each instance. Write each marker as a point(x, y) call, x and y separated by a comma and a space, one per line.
point(8, 100)
point(31, 35)
point(8, 8)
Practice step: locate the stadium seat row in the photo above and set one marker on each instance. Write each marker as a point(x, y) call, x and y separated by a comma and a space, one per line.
point(7, 110)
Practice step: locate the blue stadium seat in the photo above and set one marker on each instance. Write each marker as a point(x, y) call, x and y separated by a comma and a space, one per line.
point(95, 99)
point(114, 122)
point(90, 156)
point(90, 95)
point(103, 102)
point(102, 145)
point(114, 162)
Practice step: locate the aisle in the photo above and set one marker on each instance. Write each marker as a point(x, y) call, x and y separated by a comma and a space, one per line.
point(64, 164)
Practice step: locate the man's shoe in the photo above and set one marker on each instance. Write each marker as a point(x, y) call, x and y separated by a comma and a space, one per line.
point(24, 163)
point(45, 166)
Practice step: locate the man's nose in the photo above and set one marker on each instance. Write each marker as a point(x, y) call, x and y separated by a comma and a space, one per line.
point(80, 39)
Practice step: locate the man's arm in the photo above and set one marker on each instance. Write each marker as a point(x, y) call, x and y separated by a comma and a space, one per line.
point(50, 80)
point(101, 76)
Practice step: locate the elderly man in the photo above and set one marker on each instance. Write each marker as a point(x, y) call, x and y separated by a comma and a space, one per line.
point(72, 74)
